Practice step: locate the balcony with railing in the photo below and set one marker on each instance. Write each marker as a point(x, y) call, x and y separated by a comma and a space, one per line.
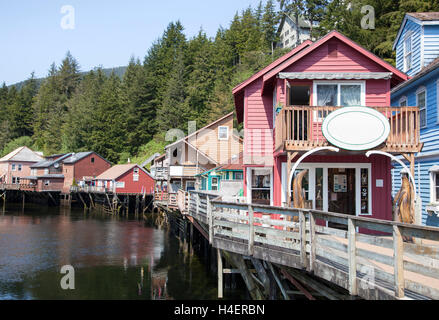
point(299, 128)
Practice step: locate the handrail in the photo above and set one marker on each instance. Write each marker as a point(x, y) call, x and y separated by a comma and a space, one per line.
point(298, 127)
point(306, 242)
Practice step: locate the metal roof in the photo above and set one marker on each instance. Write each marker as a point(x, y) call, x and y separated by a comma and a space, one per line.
point(49, 163)
point(335, 75)
point(75, 157)
point(22, 154)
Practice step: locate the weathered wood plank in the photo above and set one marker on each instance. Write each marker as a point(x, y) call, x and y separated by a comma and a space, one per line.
point(352, 258)
point(398, 258)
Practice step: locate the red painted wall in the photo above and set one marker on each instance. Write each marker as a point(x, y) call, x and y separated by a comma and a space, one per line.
point(83, 168)
point(145, 182)
point(381, 197)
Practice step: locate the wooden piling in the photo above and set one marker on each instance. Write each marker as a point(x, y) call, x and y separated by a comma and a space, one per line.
point(220, 274)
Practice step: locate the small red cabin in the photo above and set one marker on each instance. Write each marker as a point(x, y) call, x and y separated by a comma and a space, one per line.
point(126, 178)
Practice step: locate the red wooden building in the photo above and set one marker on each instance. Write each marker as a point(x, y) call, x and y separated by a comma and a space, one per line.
point(62, 171)
point(307, 111)
point(126, 178)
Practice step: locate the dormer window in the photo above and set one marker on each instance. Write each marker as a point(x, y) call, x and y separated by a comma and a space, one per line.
point(223, 133)
point(408, 53)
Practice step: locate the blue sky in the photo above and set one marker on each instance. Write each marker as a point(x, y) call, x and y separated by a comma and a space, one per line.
point(106, 33)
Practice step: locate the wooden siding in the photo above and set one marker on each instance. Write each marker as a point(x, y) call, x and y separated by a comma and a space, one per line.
point(422, 178)
point(416, 31)
point(430, 138)
point(219, 150)
point(347, 60)
point(431, 44)
point(258, 124)
point(430, 133)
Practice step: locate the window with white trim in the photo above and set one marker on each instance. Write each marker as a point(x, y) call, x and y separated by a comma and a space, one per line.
point(434, 187)
point(19, 167)
point(403, 102)
point(408, 53)
point(340, 94)
point(214, 184)
point(120, 184)
point(261, 186)
point(13, 167)
point(421, 101)
point(223, 133)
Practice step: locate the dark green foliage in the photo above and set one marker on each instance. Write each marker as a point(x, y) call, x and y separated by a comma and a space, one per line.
point(124, 113)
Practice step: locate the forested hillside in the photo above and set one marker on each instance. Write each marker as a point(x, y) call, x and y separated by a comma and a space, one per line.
point(179, 79)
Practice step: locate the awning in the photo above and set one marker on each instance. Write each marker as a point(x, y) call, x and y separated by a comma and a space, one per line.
point(335, 75)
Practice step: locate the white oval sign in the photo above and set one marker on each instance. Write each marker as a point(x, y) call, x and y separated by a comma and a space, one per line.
point(356, 128)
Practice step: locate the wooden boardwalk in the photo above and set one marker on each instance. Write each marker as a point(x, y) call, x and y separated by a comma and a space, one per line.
point(369, 266)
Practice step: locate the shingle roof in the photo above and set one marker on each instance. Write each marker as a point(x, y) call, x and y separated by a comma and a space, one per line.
point(432, 66)
point(425, 16)
point(116, 171)
point(22, 154)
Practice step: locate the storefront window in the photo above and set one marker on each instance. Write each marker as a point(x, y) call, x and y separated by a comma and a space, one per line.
point(319, 188)
point(261, 186)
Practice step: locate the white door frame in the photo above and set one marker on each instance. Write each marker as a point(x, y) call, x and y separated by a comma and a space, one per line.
point(326, 165)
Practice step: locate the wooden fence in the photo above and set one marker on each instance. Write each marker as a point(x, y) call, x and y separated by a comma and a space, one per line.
point(372, 267)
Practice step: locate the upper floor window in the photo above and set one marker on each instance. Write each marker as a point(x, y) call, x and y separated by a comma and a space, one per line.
point(238, 176)
point(19, 167)
point(422, 105)
point(408, 53)
point(340, 94)
point(403, 102)
point(13, 167)
point(223, 133)
point(434, 184)
point(92, 160)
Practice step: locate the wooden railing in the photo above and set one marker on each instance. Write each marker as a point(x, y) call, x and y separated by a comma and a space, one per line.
point(161, 196)
point(23, 187)
point(182, 200)
point(172, 201)
point(372, 267)
point(161, 173)
point(298, 128)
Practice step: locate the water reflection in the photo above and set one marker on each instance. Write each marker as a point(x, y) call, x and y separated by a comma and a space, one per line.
point(113, 257)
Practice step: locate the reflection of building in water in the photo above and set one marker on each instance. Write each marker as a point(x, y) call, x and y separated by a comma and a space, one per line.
point(159, 279)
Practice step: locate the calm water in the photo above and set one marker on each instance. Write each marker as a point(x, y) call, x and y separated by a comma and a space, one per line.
point(114, 258)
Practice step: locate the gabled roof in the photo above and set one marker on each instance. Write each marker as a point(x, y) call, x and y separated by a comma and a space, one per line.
point(118, 170)
point(75, 157)
point(300, 52)
point(49, 163)
point(22, 154)
point(302, 22)
point(336, 35)
point(421, 18)
point(199, 130)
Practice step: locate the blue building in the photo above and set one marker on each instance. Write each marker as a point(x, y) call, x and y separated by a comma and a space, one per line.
point(417, 52)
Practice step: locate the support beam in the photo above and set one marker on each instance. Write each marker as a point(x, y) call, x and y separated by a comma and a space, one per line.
point(297, 285)
point(291, 156)
point(220, 274)
point(251, 231)
point(276, 278)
